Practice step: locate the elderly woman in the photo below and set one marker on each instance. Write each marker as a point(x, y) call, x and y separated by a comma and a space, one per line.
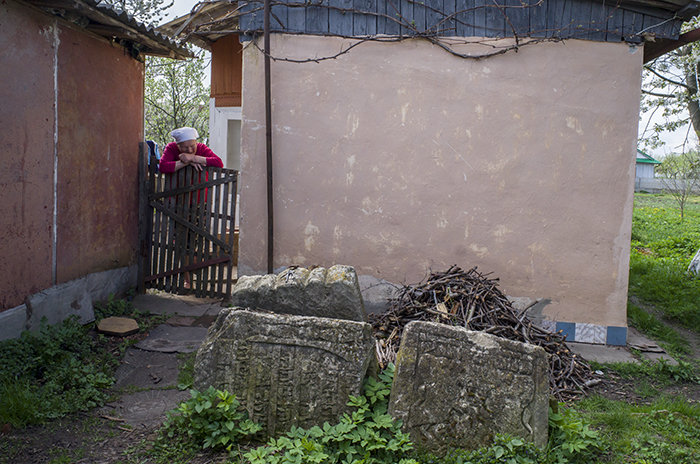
point(185, 151)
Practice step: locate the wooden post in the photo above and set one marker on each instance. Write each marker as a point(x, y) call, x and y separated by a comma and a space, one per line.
point(268, 133)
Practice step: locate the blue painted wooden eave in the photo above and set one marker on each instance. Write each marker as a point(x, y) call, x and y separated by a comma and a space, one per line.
point(632, 21)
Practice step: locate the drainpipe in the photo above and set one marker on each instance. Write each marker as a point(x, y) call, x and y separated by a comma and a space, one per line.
point(268, 134)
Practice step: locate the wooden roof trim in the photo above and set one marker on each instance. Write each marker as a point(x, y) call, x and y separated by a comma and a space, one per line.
point(653, 51)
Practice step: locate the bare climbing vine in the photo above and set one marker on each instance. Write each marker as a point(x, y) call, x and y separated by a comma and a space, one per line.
point(437, 34)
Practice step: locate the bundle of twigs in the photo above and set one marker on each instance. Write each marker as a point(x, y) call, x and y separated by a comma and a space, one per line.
point(469, 299)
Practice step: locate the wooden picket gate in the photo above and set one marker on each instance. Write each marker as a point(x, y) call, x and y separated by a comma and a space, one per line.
point(186, 229)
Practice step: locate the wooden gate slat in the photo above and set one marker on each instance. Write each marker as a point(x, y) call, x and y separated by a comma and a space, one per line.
point(231, 230)
point(183, 222)
point(190, 267)
point(202, 245)
point(221, 221)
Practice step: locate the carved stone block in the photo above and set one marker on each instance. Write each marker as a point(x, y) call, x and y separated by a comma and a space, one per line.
point(458, 388)
point(333, 293)
point(286, 370)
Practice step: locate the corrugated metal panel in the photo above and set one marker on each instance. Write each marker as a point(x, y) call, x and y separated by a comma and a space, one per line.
point(112, 23)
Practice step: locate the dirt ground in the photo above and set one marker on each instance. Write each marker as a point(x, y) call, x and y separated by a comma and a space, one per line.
point(96, 438)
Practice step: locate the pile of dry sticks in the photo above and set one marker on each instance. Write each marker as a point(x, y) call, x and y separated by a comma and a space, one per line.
point(469, 299)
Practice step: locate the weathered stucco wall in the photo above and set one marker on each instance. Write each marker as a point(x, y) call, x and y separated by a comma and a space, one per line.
point(398, 157)
point(71, 122)
point(100, 125)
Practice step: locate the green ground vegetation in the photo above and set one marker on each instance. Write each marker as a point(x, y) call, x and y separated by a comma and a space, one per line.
point(663, 245)
point(60, 369)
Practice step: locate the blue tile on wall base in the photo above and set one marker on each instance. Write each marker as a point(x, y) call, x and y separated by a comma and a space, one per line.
point(617, 336)
point(567, 329)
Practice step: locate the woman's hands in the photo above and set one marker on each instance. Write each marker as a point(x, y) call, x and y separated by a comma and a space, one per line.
point(193, 160)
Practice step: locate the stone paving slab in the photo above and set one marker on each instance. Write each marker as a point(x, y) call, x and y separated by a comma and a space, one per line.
point(147, 369)
point(617, 354)
point(602, 353)
point(654, 353)
point(118, 326)
point(170, 339)
point(145, 408)
point(181, 305)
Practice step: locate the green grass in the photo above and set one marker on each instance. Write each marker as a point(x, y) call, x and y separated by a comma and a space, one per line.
point(185, 377)
point(662, 247)
point(648, 324)
point(666, 431)
point(661, 371)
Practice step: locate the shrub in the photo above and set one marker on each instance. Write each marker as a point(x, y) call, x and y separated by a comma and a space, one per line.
point(571, 439)
point(212, 419)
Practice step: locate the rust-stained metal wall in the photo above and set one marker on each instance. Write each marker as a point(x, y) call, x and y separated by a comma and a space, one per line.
point(100, 124)
point(26, 138)
point(71, 119)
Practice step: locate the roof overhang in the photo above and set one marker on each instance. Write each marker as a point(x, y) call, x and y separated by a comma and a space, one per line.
point(210, 20)
point(653, 50)
point(114, 24)
point(205, 24)
point(686, 9)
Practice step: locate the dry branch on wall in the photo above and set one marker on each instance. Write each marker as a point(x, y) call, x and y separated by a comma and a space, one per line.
point(469, 299)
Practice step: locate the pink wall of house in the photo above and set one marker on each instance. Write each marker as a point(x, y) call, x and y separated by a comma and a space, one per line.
point(399, 157)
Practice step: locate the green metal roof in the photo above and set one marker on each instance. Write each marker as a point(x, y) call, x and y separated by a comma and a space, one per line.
point(644, 158)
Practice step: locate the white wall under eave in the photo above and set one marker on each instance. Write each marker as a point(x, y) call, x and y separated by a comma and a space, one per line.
point(218, 130)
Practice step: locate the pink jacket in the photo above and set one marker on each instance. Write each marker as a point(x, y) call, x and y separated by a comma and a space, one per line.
point(171, 155)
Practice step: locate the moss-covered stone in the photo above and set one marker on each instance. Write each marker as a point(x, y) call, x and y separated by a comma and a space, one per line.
point(458, 388)
point(286, 370)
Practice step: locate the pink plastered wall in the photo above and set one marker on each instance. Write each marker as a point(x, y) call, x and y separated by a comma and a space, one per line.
point(397, 158)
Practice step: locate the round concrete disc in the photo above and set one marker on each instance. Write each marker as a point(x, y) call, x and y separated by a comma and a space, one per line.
point(118, 326)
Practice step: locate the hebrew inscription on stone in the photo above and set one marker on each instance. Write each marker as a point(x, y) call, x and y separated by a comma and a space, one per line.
point(286, 370)
point(320, 292)
point(458, 388)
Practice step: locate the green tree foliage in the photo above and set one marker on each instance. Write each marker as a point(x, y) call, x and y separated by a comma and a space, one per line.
point(175, 96)
point(145, 11)
point(680, 174)
point(670, 93)
point(680, 165)
point(175, 93)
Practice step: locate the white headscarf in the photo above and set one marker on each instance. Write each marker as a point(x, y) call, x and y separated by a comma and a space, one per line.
point(183, 134)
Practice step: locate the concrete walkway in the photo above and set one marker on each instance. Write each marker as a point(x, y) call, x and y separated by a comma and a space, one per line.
point(617, 354)
point(151, 367)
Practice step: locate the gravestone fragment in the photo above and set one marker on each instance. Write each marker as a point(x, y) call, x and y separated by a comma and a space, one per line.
point(458, 388)
point(320, 292)
point(286, 370)
point(694, 266)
